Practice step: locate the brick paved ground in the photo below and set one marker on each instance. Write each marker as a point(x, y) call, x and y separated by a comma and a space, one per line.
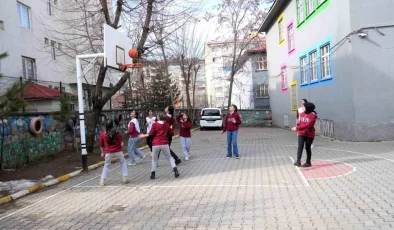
point(351, 187)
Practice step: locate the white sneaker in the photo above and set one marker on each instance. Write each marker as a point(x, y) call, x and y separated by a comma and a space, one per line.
point(131, 164)
point(125, 179)
point(312, 146)
point(143, 158)
point(102, 183)
point(186, 158)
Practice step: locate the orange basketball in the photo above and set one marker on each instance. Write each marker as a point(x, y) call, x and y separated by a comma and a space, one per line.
point(133, 53)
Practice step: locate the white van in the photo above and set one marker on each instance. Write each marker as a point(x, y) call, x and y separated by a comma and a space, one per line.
point(211, 117)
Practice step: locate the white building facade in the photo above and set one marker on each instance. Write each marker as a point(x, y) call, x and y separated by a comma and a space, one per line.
point(25, 28)
point(218, 57)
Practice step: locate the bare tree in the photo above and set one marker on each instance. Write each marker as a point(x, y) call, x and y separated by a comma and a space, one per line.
point(242, 17)
point(186, 49)
point(167, 25)
point(196, 68)
point(78, 26)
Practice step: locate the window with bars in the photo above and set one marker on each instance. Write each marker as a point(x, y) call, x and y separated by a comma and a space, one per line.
point(49, 7)
point(262, 90)
point(283, 76)
point(304, 77)
point(29, 68)
point(280, 29)
point(53, 50)
point(23, 15)
point(325, 61)
point(309, 6)
point(294, 98)
point(313, 65)
point(290, 32)
point(261, 63)
point(300, 10)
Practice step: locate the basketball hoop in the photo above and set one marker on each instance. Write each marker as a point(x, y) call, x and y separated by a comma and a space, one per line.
point(123, 68)
point(118, 50)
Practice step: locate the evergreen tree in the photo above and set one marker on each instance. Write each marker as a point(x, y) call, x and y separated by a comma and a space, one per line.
point(159, 90)
point(12, 101)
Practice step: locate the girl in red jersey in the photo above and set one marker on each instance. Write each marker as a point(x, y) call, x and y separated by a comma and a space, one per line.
point(306, 133)
point(111, 143)
point(169, 111)
point(160, 132)
point(231, 125)
point(184, 132)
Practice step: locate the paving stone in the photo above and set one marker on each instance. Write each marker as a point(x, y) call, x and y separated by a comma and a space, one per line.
point(261, 190)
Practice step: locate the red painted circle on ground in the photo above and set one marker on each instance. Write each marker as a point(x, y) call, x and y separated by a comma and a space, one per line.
point(322, 169)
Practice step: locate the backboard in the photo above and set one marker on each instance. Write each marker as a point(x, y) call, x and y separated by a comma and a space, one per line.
point(116, 48)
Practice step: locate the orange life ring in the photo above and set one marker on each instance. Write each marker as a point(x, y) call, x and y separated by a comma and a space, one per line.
point(36, 125)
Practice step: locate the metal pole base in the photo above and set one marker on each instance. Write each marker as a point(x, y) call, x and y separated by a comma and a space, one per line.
point(85, 163)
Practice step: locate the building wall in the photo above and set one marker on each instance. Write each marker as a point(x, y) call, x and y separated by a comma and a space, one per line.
point(259, 77)
point(333, 98)
point(19, 41)
point(372, 69)
point(43, 106)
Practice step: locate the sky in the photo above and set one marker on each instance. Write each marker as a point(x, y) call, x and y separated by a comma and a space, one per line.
point(209, 28)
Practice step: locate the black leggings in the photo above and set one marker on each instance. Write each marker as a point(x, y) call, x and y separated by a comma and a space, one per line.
point(149, 142)
point(307, 141)
point(172, 152)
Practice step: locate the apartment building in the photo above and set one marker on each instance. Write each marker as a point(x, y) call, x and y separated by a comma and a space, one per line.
point(218, 56)
point(339, 55)
point(26, 29)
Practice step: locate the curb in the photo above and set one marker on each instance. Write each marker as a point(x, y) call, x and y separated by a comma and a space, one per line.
point(63, 178)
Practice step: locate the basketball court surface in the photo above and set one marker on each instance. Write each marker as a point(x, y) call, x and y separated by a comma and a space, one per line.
point(350, 186)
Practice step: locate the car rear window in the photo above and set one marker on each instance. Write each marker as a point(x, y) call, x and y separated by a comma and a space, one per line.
point(211, 112)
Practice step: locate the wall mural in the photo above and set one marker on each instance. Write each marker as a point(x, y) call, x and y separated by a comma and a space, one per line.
point(21, 147)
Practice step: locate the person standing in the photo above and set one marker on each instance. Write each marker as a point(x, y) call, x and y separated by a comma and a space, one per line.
point(111, 143)
point(160, 132)
point(134, 131)
point(300, 111)
point(231, 125)
point(150, 119)
point(306, 133)
point(184, 132)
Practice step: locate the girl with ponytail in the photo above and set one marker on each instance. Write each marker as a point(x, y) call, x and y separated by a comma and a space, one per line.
point(111, 143)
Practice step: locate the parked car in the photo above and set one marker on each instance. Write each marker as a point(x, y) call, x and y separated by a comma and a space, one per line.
point(211, 118)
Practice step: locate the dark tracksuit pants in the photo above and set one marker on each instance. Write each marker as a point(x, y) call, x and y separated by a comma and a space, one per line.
point(307, 142)
point(149, 140)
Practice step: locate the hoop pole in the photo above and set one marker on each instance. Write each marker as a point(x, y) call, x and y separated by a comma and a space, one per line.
point(81, 114)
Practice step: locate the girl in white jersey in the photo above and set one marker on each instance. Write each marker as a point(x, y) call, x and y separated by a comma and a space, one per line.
point(149, 122)
point(300, 110)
